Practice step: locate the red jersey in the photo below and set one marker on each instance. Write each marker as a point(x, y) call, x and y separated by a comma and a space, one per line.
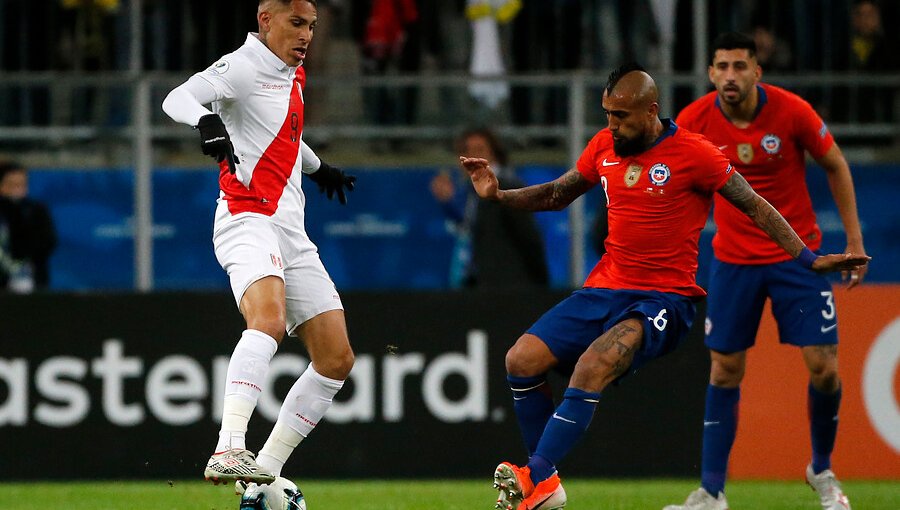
point(657, 203)
point(769, 153)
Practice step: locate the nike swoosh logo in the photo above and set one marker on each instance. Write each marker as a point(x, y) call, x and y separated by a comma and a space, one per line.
point(610, 163)
point(829, 328)
point(723, 147)
point(519, 398)
point(708, 423)
point(558, 417)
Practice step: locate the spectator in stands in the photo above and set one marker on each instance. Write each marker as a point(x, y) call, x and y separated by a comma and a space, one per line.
point(27, 235)
point(772, 52)
point(870, 53)
point(496, 246)
point(558, 27)
point(390, 41)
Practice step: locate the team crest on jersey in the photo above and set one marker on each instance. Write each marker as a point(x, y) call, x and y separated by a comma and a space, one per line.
point(220, 67)
point(745, 153)
point(659, 174)
point(632, 175)
point(771, 144)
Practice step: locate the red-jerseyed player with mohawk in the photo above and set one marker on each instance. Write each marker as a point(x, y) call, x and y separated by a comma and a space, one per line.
point(638, 302)
point(278, 281)
point(765, 131)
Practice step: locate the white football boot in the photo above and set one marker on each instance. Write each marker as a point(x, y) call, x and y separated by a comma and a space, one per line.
point(702, 500)
point(829, 489)
point(235, 464)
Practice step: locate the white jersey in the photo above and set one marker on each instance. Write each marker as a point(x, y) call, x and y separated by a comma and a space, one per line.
point(260, 100)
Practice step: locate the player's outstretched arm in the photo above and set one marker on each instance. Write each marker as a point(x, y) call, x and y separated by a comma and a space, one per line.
point(549, 196)
point(741, 195)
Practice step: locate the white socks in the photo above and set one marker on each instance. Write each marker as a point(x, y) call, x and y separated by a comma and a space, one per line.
point(303, 408)
point(244, 380)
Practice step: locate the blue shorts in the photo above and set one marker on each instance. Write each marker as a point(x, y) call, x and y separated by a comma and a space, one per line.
point(571, 326)
point(802, 303)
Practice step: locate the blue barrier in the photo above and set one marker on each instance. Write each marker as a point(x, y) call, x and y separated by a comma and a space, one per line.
point(392, 234)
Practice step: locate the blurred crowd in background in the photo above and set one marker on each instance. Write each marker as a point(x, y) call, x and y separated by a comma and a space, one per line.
point(431, 36)
point(390, 87)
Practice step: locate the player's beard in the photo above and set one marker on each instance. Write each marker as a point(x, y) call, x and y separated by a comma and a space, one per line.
point(629, 147)
point(741, 96)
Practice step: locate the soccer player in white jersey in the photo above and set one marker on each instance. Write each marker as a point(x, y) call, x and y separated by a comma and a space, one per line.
point(255, 133)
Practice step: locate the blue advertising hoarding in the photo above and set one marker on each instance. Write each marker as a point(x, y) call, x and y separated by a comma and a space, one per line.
point(391, 235)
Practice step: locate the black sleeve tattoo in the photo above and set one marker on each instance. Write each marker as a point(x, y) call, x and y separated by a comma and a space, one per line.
point(741, 195)
point(549, 196)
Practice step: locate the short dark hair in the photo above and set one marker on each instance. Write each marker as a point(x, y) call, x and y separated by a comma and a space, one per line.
point(9, 167)
point(619, 72)
point(493, 142)
point(732, 41)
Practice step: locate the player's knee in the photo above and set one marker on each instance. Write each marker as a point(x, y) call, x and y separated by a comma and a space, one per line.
point(515, 364)
point(522, 361)
point(726, 373)
point(272, 325)
point(594, 371)
point(337, 365)
point(825, 380)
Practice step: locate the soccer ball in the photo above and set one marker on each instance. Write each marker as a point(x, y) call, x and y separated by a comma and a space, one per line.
point(282, 494)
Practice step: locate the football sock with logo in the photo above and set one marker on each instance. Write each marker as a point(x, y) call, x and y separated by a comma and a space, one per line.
point(823, 423)
point(244, 380)
point(304, 406)
point(719, 428)
point(533, 403)
point(564, 428)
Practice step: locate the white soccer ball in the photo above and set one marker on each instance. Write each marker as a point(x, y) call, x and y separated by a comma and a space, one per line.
point(282, 494)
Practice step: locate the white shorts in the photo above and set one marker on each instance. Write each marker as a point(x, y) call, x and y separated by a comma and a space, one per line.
point(251, 247)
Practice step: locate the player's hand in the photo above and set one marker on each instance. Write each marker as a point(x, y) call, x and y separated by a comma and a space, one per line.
point(215, 142)
point(840, 262)
point(854, 277)
point(333, 180)
point(483, 178)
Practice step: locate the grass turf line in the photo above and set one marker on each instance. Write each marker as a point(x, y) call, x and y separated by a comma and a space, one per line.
point(584, 494)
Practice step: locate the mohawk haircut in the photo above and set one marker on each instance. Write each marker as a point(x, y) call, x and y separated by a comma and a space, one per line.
point(732, 41)
point(621, 71)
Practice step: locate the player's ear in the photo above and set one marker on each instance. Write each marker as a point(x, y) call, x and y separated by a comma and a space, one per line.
point(709, 72)
point(264, 19)
point(654, 109)
point(759, 72)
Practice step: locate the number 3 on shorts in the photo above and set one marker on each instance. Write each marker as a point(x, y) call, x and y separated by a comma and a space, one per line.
point(660, 320)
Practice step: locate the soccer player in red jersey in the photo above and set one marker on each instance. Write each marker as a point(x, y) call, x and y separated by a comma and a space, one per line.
point(638, 301)
point(279, 283)
point(765, 131)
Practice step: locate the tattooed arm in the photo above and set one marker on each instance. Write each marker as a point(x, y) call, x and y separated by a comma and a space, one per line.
point(741, 195)
point(550, 196)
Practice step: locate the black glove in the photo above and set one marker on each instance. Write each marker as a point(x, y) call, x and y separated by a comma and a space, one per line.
point(333, 179)
point(215, 142)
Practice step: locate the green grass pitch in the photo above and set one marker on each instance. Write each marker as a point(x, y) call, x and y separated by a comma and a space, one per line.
point(584, 494)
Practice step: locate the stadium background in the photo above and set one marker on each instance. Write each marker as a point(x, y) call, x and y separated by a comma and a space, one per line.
point(138, 301)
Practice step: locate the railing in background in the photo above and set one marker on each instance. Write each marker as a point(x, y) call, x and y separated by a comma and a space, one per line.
point(105, 110)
